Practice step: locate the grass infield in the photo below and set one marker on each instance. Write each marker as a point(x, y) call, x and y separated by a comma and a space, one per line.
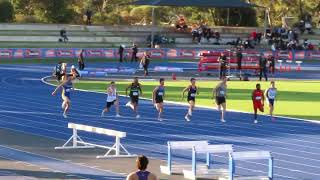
point(298, 99)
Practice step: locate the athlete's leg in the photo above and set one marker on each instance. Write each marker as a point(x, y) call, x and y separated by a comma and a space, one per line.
point(116, 104)
point(223, 111)
point(160, 110)
point(66, 108)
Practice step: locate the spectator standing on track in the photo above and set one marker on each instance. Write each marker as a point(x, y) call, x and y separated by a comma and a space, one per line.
point(239, 60)
point(142, 173)
point(58, 71)
point(263, 67)
point(63, 34)
point(272, 64)
point(145, 61)
point(220, 95)
point(121, 52)
point(223, 65)
point(81, 60)
point(258, 101)
point(134, 56)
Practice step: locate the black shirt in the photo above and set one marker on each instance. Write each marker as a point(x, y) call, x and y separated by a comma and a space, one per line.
point(263, 62)
point(223, 61)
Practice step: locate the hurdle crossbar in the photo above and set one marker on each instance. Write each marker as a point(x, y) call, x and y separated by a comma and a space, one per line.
point(178, 145)
point(250, 155)
point(208, 150)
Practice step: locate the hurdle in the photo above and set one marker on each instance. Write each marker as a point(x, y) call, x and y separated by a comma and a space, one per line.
point(288, 68)
point(250, 155)
point(280, 65)
point(298, 68)
point(78, 143)
point(170, 169)
point(207, 173)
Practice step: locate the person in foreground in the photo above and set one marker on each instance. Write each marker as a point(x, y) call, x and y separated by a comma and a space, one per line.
point(157, 98)
point(258, 101)
point(220, 94)
point(271, 95)
point(135, 92)
point(112, 99)
point(142, 173)
point(67, 87)
point(192, 90)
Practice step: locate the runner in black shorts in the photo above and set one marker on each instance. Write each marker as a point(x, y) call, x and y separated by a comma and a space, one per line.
point(135, 92)
point(157, 98)
point(192, 93)
point(220, 94)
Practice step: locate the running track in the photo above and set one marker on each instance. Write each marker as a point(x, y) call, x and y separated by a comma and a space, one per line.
point(26, 105)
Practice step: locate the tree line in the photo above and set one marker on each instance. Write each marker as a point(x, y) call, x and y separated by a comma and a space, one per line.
point(118, 12)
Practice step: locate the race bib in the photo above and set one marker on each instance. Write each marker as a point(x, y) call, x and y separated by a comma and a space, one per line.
point(258, 98)
point(193, 95)
point(68, 90)
point(222, 92)
point(160, 93)
point(135, 93)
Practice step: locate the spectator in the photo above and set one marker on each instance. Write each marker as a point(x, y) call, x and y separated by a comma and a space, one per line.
point(239, 59)
point(142, 173)
point(217, 37)
point(134, 56)
point(81, 60)
point(308, 27)
point(58, 72)
point(196, 33)
point(223, 65)
point(63, 35)
point(181, 24)
point(121, 52)
point(88, 16)
point(145, 61)
point(263, 67)
point(272, 63)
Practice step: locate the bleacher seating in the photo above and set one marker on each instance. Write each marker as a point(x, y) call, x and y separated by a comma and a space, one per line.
point(47, 35)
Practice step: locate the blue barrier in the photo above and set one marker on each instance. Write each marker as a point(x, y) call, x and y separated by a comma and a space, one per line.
point(163, 53)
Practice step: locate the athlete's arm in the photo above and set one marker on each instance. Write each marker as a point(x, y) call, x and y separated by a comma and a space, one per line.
point(185, 90)
point(58, 87)
point(252, 96)
point(140, 89)
point(109, 92)
point(263, 97)
point(154, 95)
point(127, 89)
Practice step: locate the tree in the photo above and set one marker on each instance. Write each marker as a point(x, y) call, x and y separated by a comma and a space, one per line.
point(6, 11)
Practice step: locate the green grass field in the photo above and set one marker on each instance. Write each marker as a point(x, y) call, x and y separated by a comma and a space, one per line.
point(299, 99)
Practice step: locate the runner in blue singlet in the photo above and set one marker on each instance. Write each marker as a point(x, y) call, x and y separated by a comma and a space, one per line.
point(158, 97)
point(193, 91)
point(67, 87)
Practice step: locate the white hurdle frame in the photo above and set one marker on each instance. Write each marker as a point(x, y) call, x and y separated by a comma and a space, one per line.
point(179, 145)
point(208, 150)
point(250, 155)
point(78, 143)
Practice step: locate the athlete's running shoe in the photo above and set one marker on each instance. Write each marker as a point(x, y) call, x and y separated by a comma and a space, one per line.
point(137, 116)
point(187, 118)
point(118, 115)
point(255, 121)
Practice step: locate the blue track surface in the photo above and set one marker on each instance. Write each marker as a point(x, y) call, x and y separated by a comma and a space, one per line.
point(26, 105)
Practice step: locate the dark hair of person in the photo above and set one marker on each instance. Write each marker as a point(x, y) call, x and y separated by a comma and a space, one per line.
point(161, 80)
point(192, 79)
point(142, 162)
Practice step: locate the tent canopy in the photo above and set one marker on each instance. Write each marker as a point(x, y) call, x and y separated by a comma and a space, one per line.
point(196, 3)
